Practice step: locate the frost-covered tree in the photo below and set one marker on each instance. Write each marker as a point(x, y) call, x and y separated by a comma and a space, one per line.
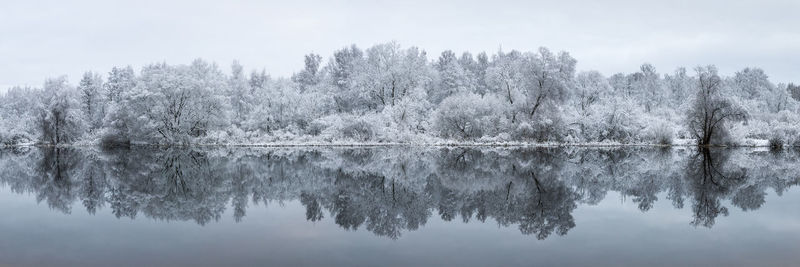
point(239, 94)
point(179, 102)
point(645, 86)
point(59, 117)
point(506, 77)
point(649, 82)
point(589, 87)
point(476, 70)
point(679, 85)
point(754, 87)
point(794, 91)
point(119, 124)
point(309, 76)
point(619, 81)
point(19, 110)
point(781, 99)
point(410, 114)
point(119, 80)
point(258, 80)
point(285, 106)
point(453, 77)
point(388, 93)
point(342, 69)
point(119, 118)
point(344, 64)
point(712, 109)
point(92, 101)
point(481, 67)
point(389, 73)
point(752, 83)
point(469, 116)
point(549, 78)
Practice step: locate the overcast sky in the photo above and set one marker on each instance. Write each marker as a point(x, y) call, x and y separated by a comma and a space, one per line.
point(40, 39)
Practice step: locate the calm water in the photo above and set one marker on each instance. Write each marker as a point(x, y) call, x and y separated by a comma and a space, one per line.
point(399, 206)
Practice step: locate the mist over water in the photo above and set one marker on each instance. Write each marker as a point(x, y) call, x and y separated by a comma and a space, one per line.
point(399, 206)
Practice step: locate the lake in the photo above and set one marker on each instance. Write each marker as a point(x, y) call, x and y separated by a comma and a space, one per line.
point(399, 206)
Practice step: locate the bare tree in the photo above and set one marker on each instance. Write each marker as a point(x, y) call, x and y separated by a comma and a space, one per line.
point(711, 109)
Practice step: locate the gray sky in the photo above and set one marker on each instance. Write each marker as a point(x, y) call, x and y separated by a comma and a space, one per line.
point(40, 39)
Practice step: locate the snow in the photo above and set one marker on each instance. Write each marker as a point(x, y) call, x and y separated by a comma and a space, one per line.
point(390, 95)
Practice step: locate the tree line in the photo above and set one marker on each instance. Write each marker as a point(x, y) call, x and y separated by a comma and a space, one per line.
point(387, 93)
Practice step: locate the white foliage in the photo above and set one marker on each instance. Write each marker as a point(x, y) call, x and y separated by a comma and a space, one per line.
point(390, 94)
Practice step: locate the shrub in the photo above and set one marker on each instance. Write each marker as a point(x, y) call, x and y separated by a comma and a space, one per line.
point(661, 134)
point(111, 141)
point(776, 141)
point(664, 139)
point(316, 127)
point(358, 130)
point(469, 116)
point(545, 128)
point(326, 125)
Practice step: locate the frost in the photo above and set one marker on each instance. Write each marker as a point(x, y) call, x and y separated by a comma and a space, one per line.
point(388, 94)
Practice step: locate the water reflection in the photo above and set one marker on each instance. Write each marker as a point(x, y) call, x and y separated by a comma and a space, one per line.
point(388, 191)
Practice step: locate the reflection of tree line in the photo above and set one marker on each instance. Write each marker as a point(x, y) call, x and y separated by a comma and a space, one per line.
point(388, 190)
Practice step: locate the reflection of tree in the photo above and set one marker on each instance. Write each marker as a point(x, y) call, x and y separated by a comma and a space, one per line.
point(522, 188)
point(709, 182)
point(384, 206)
point(388, 191)
point(749, 197)
point(53, 181)
point(93, 185)
point(547, 208)
point(313, 207)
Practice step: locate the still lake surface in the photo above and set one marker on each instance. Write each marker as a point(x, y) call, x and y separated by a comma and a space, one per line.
point(399, 206)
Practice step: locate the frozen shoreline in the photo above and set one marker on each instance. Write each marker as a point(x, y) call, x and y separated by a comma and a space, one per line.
point(679, 143)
